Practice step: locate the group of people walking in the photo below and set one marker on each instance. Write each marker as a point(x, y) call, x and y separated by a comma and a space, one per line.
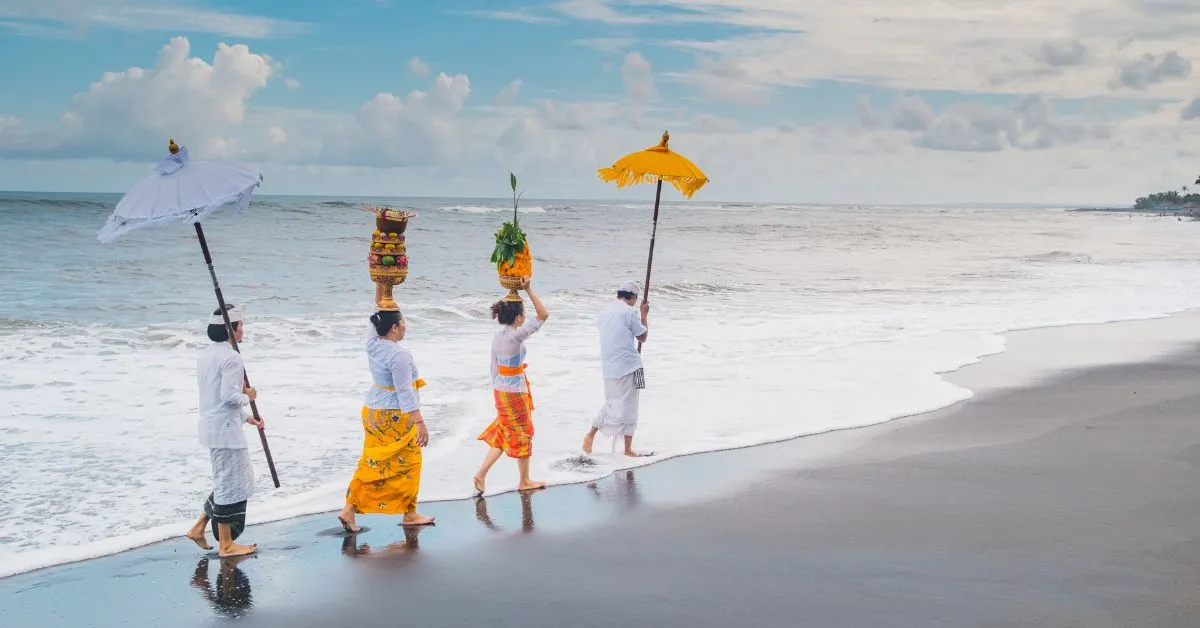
point(387, 479)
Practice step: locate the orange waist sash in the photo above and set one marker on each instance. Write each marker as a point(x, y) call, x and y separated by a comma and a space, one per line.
point(417, 385)
point(514, 371)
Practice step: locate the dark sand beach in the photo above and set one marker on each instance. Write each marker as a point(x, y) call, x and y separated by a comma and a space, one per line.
point(1069, 500)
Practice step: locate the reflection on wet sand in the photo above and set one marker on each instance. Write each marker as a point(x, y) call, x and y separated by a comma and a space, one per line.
point(625, 493)
point(231, 596)
point(481, 513)
point(351, 547)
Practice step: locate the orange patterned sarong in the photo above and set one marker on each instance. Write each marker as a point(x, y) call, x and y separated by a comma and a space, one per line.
point(512, 430)
point(389, 472)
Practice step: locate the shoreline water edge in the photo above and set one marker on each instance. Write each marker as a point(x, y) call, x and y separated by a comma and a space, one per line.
point(984, 513)
point(1042, 352)
point(838, 320)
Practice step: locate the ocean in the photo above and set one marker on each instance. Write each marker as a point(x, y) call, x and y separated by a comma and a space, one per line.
point(768, 322)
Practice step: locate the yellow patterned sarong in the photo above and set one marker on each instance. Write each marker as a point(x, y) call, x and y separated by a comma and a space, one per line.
point(389, 471)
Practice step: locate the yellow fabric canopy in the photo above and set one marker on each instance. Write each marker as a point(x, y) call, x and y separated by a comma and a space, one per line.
point(653, 164)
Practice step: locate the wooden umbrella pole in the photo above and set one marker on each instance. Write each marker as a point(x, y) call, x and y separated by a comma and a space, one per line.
point(650, 258)
point(262, 433)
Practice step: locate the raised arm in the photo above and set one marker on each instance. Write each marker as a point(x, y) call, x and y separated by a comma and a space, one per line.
point(539, 309)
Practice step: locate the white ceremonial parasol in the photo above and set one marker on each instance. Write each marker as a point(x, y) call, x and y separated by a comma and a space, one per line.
point(185, 191)
point(180, 191)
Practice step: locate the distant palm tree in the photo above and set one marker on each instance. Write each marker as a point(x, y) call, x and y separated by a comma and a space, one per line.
point(1185, 189)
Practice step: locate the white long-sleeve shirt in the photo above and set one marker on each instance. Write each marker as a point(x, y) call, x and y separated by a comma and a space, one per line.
point(393, 373)
point(220, 376)
point(619, 325)
point(508, 349)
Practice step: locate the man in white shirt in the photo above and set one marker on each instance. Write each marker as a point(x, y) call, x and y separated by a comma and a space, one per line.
point(220, 375)
point(621, 328)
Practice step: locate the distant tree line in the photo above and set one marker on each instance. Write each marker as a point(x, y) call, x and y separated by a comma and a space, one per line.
point(1170, 198)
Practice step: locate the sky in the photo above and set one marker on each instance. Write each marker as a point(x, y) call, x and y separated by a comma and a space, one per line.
point(796, 101)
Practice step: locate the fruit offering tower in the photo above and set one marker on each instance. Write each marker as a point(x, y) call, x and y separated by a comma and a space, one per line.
point(388, 258)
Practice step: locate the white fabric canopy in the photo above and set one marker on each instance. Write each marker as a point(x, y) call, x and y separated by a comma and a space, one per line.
point(180, 191)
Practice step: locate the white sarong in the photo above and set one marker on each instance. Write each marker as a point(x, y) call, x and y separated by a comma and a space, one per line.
point(233, 476)
point(619, 416)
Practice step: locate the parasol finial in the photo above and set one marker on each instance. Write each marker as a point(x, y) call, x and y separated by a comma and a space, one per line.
point(665, 138)
point(172, 146)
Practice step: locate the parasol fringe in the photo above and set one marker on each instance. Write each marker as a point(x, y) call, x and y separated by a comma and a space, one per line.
point(624, 177)
point(116, 226)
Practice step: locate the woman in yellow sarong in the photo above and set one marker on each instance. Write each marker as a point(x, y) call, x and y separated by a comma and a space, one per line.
point(389, 471)
point(511, 433)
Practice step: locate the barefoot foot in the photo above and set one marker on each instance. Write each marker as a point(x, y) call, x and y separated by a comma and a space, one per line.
point(348, 524)
point(346, 518)
point(634, 454)
point(416, 519)
point(237, 550)
point(479, 486)
point(530, 486)
point(198, 538)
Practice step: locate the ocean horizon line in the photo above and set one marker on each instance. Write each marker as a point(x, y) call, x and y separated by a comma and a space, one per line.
point(649, 200)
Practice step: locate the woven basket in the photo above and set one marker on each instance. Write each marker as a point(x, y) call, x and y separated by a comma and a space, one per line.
point(390, 220)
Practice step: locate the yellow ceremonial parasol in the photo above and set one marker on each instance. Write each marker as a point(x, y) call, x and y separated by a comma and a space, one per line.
point(655, 165)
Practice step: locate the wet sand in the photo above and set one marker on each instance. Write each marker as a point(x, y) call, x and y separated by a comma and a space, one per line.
point(1069, 498)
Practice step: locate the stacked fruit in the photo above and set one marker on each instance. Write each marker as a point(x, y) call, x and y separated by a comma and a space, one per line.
point(388, 259)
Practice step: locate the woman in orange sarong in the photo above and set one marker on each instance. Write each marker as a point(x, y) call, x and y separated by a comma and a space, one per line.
point(389, 471)
point(511, 433)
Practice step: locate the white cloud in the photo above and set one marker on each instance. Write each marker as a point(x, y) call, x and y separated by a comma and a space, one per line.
point(638, 77)
point(420, 128)
point(418, 67)
point(911, 113)
point(1005, 46)
point(573, 116)
point(438, 141)
point(30, 17)
point(1059, 54)
point(508, 95)
point(609, 45)
point(867, 116)
point(520, 135)
point(968, 126)
point(706, 123)
point(523, 16)
point(1148, 70)
point(597, 10)
point(1191, 112)
point(725, 79)
point(782, 162)
point(291, 83)
point(132, 113)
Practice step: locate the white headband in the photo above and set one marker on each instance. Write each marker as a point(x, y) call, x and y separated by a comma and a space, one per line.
point(236, 315)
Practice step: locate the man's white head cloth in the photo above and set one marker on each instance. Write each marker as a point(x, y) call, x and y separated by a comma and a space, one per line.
point(629, 287)
point(237, 314)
